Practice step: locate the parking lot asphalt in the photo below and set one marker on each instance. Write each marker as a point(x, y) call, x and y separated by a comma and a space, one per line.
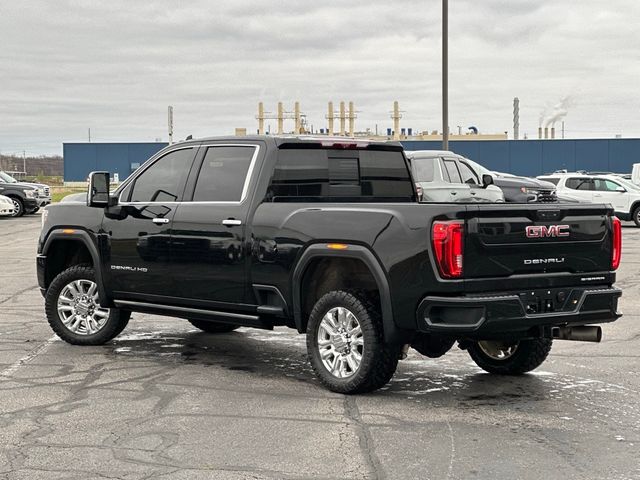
point(164, 400)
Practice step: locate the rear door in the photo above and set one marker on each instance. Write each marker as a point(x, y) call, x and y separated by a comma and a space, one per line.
point(609, 191)
point(581, 188)
point(208, 245)
point(521, 239)
point(458, 191)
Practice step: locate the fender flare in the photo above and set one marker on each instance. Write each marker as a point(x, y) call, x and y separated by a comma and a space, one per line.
point(391, 333)
point(83, 237)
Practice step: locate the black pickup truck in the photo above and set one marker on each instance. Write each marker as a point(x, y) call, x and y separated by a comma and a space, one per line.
point(325, 235)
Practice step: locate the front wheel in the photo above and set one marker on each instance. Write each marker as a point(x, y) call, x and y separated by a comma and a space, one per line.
point(345, 344)
point(18, 207)
point(74, 312)
point(510, 358)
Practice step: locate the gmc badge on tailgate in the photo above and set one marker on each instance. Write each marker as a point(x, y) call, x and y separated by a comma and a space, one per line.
point(543, 231)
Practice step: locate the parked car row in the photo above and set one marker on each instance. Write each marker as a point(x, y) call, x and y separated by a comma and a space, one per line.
point(25, 197)
point(443, 176)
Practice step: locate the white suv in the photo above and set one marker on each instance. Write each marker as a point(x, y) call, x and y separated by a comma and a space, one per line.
point(623, 195)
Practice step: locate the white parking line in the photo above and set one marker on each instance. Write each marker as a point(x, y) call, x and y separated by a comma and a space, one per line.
point(9, 371)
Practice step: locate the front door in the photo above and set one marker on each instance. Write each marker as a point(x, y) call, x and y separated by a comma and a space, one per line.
point(608, 191)
point(140, 228)
point(209, 247)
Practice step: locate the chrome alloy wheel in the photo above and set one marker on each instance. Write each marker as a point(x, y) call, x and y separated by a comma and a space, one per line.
point(79, 308)
point(498, 350)
point(340, 342)
point(17, 207)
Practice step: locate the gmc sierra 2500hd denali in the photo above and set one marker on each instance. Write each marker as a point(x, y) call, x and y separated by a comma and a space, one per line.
point(325, 235)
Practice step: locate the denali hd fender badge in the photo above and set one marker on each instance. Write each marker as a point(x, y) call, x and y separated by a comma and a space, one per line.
point(540, 261)
point(129, 269)
point(542, 231)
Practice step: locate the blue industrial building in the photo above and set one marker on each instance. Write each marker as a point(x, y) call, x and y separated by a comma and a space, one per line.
point(520, 157)
point(80, 159)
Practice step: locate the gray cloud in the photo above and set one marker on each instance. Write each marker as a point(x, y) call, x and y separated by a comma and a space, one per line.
point(115, 66)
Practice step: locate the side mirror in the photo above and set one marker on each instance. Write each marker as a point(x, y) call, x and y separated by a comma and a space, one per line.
point(620, 189)
point(98, 195)
point(487, 180)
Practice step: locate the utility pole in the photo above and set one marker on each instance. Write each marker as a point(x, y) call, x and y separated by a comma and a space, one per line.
point(24, 162)
point(445, 74)
point(89, 134)
point(170, 123)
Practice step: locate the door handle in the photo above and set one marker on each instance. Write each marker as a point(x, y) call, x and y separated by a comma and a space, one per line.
point(454, 193)
point(160, 220)
point(229, 222)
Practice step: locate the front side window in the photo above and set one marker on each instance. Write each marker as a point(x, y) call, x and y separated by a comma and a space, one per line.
point(603, 185)
point(452, 170)
point(223, 174)
point(468, 176)
point(164, 180)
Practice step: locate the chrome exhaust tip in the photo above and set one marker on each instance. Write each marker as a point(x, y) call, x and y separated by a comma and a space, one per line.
point(578, 334)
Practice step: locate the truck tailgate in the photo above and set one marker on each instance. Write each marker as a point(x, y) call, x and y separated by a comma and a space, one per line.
point(508, 240)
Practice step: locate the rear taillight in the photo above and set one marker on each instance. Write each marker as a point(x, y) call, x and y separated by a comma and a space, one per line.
point(448, 246)
point(616, 251)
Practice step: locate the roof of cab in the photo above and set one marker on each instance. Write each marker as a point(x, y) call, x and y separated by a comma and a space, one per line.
point(323, 141)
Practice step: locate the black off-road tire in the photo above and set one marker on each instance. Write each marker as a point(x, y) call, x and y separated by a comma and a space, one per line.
point(213, 327)
point(529, 355)
point(115, 324)
point(636, 216)
point(18, 207)
point(379, 360)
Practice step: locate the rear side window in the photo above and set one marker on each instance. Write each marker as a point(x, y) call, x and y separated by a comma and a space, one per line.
point(164, 180)
point(423, 169)
point(452, 171)
point(579, 183)
point(223, 174)
point(327, 174)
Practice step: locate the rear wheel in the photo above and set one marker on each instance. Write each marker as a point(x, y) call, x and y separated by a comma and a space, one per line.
point(18, 207)
point(345, 344)
point(213, 327)
point(74, 312)
point(510, 358)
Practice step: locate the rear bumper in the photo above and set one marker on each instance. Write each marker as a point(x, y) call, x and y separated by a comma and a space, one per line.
point(517, 313)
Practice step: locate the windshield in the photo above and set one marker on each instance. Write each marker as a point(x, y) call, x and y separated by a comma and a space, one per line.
point(7, 178)
point(479, 168)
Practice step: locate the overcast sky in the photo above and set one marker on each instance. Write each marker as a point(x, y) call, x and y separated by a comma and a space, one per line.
point(115, 65)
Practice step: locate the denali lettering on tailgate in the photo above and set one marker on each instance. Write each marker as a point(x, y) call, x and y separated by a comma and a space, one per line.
point(541, 231)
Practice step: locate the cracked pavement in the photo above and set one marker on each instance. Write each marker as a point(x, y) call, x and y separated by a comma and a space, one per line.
point(164, 400)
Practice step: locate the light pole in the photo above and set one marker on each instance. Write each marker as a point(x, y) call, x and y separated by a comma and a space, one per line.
point(445, 74)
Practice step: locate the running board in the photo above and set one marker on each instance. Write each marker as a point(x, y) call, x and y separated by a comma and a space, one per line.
point(243, 319)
